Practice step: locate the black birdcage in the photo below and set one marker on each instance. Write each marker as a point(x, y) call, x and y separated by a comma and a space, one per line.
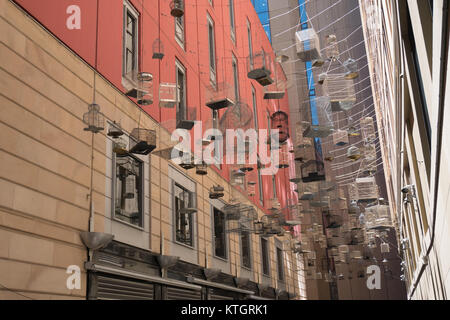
point(177, 8)
point(259, 68)
point(312, 171)
point(142, 141)
point(216, 192)
point(94, 119)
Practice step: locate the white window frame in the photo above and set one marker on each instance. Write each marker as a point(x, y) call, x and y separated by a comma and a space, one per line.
point(180, 33)
point(212, 46)
point(232, 20)
point(180, 67)
point(129, 9)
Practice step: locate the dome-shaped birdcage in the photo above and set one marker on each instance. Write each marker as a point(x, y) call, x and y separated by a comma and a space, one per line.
point(340, 138)
point(94, 119)
point(260, 68)
point(142, 141)
point(239, 116)
point(115, 130)
point(308, 45)
point(312, 171)
point(352, 69)
point(158, 49)
point(216, 192)
point(353, 153)
point(177, 8)
point(201, 169)
point(140, 87)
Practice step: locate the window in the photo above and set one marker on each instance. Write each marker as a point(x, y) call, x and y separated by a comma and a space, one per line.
point(280, 264)
point(265, 256)
point(260, 187)
point(130, 39)
point(212, 51)
point(274, 186)
point(220, 244)
point(128, 191)
point(250, 46)
point(181, 92)
point(236, 78)
point(232, 21)
point(255, 109)
point(246, 250)
point(184, 232)
point(179, 30)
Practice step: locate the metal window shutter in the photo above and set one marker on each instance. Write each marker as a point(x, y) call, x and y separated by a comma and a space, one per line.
point(110, 288)
point(182, 294)
point(217, 297)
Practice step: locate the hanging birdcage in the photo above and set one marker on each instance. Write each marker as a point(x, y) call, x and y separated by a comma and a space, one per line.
point(94, 119)
point(141, 87)
point(341, 92)
point(332, 48)
point(237, 177)
point(277, 89)
point(352, 69)
point(115, 130)
point(216, 192)
point(312, 171)
point(353, 131)
point(370, 152)
point(189, 201)
point(239, 116)
point(340, 138)
point(259, 68)
point(158, 49)
point(186, 121)
point(378, 217)
point(368, 129)
point(353, 153)
point(321, 125)
point(271, 225)
point(219, 96)
point(367, 189)
point(120, 145)
point(283, 162)
point(354, 222)
point(142, 141)
point(321, 78)
point(201, 169)
point(167, 95)
point(274, 205)
point(334, 221)
point(177, 8)
point(308, 45)
point(308, 190)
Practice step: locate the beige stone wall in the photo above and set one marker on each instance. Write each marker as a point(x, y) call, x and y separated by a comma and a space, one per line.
point(45, 166)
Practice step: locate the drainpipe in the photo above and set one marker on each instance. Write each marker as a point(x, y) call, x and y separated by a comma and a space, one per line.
point(441, 98)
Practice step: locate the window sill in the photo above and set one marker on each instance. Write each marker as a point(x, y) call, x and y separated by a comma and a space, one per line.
point(184, 245)
point(128, 224)
point(221, 259)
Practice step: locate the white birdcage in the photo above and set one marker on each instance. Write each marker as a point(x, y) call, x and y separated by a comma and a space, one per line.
point(322, 126)
point(354, 153)
point(340, 91)
point(308, 45)
point(332, 48)
point(384, 248)
point(158, 49)
point(368, 129)
point(370, 152)
point(167, 95)
point(141, 87)
point(340, 138)
point(351, 67)
point(378, 217)
point(220, 96)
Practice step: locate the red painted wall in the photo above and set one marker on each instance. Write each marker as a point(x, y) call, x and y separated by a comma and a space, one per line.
point(156, 22)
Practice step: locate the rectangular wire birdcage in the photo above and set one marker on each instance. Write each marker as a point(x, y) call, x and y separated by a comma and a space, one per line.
point(308, 45)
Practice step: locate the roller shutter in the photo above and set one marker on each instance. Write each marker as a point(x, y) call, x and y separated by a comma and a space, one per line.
point(174, 293)
point(111, 288)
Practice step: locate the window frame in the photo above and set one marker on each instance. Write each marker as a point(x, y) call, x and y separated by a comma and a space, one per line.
point(280, 263)
point(232, 21)
point(249, 235)
point(225, 237)
point(176, 214)
point(212, 56)
point(129, 9)
point(141, 191)
point(235, 70)
point(265, 256)
point(182, 28)
point(179, 68)
point(250, 43)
